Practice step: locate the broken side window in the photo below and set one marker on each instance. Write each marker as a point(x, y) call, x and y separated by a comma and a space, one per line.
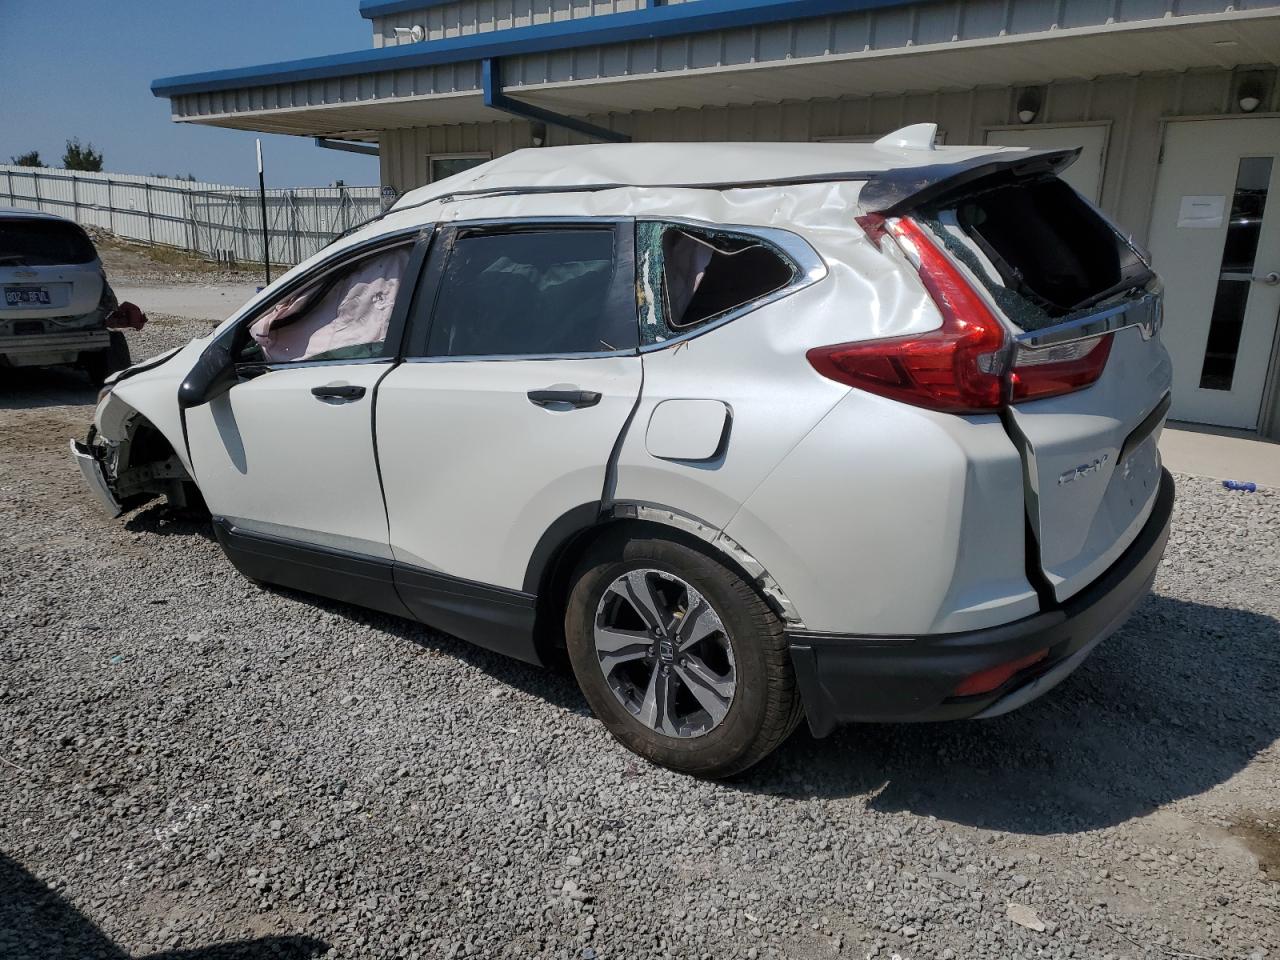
point(343, 315)
point(689, 277)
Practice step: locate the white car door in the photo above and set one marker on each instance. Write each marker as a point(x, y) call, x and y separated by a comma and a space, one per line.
point(521, 371)
point(285, 458)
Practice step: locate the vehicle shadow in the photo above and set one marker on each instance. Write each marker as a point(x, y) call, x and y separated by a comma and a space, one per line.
point(39, 924)
point(27, 388)
point(1176, 703)
point(159, 518)
point(554, 684)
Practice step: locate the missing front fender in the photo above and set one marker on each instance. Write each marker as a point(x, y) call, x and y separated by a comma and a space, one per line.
point(136, 468)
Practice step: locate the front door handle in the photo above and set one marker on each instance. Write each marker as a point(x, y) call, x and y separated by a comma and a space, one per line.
point(573, 398)
point(345, 392)
point(1270, 279)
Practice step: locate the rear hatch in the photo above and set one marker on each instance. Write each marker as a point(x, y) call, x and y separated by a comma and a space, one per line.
point(48, 268)
point(1087, 375)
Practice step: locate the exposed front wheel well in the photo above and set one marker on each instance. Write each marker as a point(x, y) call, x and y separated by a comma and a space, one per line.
point(146, 465)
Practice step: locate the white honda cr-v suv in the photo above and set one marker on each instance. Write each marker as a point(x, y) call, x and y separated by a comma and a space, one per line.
point(748, 432)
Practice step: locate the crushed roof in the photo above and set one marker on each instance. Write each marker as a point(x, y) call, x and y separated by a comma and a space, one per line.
point(694, 165)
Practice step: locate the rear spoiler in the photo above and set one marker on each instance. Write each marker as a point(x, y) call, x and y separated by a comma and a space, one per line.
point(896, 191)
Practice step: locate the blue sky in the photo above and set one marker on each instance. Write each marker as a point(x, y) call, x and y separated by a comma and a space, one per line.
point(83, 68)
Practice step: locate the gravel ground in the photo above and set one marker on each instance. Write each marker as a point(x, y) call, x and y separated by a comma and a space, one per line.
point(192, 767)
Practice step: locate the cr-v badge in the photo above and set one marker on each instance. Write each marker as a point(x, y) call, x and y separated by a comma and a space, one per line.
point(1093, 466)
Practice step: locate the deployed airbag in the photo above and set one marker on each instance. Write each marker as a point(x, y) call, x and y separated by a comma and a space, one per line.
point(351, 311)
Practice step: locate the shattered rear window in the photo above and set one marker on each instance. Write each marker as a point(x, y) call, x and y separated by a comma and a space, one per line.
point(1043, 252)
point(688, 276)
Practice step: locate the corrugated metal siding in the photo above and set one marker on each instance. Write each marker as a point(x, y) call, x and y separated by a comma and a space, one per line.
point(1133, 105)
point(484, 16)
point(879, 29)
point(875, 30)
point(891, 28)
point(393, 84)
point(405, 154)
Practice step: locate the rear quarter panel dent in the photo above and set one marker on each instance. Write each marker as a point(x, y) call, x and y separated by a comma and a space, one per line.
point(890, 520)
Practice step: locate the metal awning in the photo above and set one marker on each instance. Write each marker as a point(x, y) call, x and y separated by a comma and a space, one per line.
point(359, 105)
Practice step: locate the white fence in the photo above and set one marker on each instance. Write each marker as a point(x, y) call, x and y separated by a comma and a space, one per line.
point(207, 218)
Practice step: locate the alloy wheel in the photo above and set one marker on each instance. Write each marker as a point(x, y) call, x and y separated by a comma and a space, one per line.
point(665, 653)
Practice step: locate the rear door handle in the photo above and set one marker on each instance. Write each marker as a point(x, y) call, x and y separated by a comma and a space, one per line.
point(574, 398)
point(338, 391)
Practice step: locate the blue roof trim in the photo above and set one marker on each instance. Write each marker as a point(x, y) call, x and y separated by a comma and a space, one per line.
point(647, 24)
point(385, 8)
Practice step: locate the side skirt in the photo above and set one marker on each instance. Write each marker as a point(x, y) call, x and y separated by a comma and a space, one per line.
point(495, 618)
point(492, 617)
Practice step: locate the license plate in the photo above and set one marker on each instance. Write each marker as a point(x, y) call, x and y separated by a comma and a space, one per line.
point(17, 296)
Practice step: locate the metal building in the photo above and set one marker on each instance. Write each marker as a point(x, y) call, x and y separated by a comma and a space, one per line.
point(1175, 103)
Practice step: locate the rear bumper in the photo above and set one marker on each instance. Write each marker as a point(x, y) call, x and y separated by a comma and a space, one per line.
point(50, 348)
point(845, 678)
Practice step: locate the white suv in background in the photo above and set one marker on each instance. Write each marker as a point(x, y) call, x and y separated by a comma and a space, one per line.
point(747, 431)
point(54, 297)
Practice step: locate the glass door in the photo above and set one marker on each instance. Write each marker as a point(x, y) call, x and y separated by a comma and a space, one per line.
point(1215, 239)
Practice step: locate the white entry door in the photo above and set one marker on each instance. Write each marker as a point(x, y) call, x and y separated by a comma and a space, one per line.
point(1215, 242)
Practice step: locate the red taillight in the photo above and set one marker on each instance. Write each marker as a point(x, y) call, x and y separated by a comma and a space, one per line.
point(963, 366)
point(984, 681)
point(1053, 371)
point(957, 368)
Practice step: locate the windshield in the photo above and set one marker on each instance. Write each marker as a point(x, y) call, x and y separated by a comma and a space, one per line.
point(43, 243)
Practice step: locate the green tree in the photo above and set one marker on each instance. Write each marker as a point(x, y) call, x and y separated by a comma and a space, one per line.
point(29, 159)
point(79, 157)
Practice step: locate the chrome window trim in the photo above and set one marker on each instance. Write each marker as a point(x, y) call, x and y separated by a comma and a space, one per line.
point(812, 268)
point(532, 222)
point(1145, 312)
point(301, 364)
point(510, 357)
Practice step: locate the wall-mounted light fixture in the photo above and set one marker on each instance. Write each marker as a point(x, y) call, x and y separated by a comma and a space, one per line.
point(538, 133)
point(1249, 94)
point(1028, 104)
point(416, 33)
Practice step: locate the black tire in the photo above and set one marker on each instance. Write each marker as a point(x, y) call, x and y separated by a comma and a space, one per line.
point(765, 706)
point(100, 364)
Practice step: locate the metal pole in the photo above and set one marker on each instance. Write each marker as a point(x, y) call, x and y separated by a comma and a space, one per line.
point(262, 201)
point(293, 221)
point(189, 208)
